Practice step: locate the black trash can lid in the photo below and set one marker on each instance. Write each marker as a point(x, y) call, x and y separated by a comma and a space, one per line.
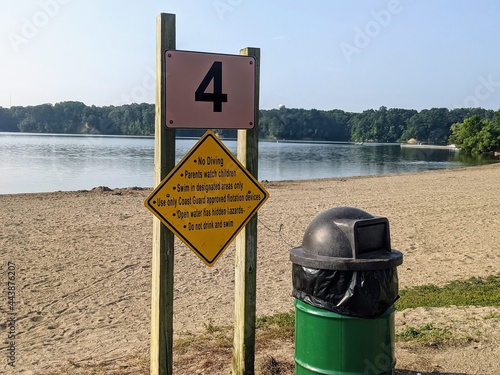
point(347, 238)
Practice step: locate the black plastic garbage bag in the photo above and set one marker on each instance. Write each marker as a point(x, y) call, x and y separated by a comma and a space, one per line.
point(363, 294)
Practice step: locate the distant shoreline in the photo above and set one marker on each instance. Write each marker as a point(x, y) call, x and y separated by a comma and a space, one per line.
point(182, 137)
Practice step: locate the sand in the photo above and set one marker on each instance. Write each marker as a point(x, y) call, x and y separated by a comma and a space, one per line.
point(83, 266)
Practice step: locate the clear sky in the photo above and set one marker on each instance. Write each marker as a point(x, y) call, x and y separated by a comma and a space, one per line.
point(323, 54)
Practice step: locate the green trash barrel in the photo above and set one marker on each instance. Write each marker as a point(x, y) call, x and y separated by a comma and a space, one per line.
point(334, 344)
point(345, 285)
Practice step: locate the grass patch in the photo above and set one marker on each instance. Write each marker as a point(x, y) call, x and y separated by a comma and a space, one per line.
point(471, 292)
point(492, 315)
point(282, 321)
point(220, 337)
point(426, 334)
point(215, 344)
point(279, 326)
point(207, 351)
point(273, 328)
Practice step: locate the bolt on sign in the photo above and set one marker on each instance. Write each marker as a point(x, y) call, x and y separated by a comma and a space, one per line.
point(207, 199)
point(209, 91)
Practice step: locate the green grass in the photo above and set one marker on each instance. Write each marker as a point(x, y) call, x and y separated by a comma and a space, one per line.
point(215, 336)
point(426, 334)
point(278, 321)
point(471, 292)
point(279, 326)
point(492, 316)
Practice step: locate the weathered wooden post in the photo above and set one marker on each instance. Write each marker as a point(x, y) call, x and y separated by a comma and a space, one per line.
point(162, 267)
point(246, 248)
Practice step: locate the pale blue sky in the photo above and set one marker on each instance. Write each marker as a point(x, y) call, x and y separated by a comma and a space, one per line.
point(349, 55)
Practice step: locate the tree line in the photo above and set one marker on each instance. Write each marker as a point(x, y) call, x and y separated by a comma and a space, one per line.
point(78, 118)
point(433, 126)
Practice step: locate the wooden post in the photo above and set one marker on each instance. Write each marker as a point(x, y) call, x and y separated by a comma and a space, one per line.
point(162, 267)
point(246, 249)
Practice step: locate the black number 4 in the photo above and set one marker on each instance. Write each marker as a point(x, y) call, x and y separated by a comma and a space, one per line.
point(217, 97)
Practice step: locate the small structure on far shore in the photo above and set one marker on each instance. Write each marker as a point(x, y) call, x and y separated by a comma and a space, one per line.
point(425, 145)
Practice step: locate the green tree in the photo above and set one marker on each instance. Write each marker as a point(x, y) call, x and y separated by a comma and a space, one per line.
point(337, 126)
point(363, 127)
point(7, 122)
point(68, 115)
point(477, 135)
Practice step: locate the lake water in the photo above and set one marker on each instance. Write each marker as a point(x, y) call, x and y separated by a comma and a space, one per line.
point(45, 162)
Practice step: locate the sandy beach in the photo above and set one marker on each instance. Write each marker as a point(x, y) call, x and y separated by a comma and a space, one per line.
point(83, 266)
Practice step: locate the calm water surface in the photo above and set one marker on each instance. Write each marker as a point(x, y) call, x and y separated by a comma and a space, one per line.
point(42, 163)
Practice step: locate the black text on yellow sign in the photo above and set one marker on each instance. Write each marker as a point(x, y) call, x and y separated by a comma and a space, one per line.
point(207, 199)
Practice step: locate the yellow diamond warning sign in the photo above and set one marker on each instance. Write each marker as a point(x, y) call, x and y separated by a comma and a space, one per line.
point(207, 198)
